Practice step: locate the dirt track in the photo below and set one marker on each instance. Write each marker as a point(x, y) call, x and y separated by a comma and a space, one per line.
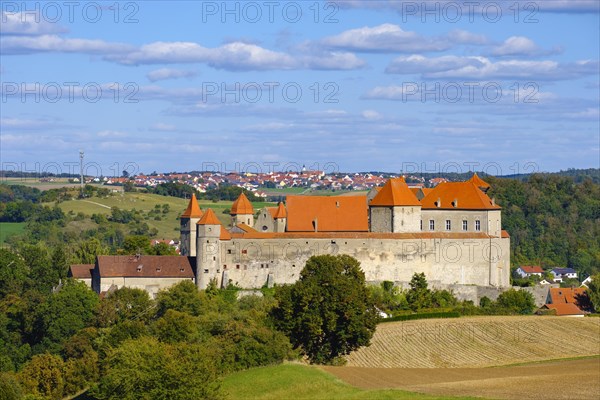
point(571, 379)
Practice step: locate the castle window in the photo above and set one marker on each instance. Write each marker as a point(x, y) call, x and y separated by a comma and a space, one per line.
point(224, 266)
point(264, 228)
point(465, 225)
point(477, 225)
point(421, 225)
point(206, 271)
point(431, 224)
point(245, 251)
point(214, 258)
point(237, 266)
point(228, 251)
point(448, 225)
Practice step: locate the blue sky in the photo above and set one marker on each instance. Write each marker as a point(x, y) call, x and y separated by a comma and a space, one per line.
point(500, 86)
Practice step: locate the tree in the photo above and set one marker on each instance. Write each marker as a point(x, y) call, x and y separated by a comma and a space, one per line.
point(148, 369)
point(67, 311)
point(9, 387)
point(42, 376)
point(86, 251)
point(183, 297)
point(419, 296)
point(124, 304)
point(516, 301)
point(328, 312)
point(13, 273)
point(594, 292)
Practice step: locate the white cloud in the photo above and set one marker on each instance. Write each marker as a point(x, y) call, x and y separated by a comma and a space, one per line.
point(371, 115)
point(159, 126)
point(111, 134)
point(169, 73)
point(55, 43)
point(385, 38)
point(482, 68)
point(17, 23)
point(516, 45)
point(415, 64)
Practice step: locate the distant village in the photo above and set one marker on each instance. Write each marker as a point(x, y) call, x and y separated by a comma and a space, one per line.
point(257, 183)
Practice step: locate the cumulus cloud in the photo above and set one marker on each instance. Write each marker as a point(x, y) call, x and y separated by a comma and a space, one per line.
point(57, 44)
point(482, 68)
point(169, 73)
point(521, 46)
point(17, 23)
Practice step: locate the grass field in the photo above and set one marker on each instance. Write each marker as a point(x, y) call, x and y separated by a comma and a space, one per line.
point(35, 183)
point(478, 342)
point(146, 202)
point(295, 381)
point(10, 228)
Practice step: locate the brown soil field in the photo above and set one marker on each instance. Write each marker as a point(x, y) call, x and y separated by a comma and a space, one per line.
point(569, 379)
point(475, 342)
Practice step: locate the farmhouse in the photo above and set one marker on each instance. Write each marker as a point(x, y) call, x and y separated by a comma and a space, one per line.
point(525, 271)
point(568, 301)
point(563, 273)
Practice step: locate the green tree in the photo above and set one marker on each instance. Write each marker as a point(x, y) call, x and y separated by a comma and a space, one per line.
point(9, 387)
point(516, 302)
point(13, 273)
point(328, 312)
point(148, 369)
point(125, 304)
point(163, 249)
point(42, 376)
point(593, 291)
point(419, 296)
point(67, 311)
point(135, 244)
point(87, 250)
point(183, 297)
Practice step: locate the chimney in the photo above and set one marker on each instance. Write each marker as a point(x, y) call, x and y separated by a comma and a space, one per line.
point(493, 201)
point(316, 224)
point(439, 203)
point(455, 203)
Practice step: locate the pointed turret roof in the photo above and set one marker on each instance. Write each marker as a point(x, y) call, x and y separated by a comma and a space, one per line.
point(280, 213)
point(242, 206)
point(480, 183)
point(395, 192)
point(193, 209)
point(209, 218)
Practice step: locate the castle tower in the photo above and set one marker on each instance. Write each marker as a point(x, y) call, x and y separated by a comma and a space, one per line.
point(188, 220)
point(280, 218)
point(395, 208)
point(242, 211)
point(208, 258)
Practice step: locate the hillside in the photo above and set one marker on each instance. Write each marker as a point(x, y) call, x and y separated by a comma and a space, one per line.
point(478, 342)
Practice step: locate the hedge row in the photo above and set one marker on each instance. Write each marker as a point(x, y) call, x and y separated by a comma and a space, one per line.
point(449, 314)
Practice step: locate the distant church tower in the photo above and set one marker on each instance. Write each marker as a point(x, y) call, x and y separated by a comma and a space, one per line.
point(395, 208)
point(242, 211)
point(188, 220)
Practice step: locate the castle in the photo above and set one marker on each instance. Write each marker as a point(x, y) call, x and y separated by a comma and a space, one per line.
point(452, 233)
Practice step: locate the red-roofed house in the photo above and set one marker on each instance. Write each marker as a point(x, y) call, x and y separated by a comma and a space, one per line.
point(525, 271)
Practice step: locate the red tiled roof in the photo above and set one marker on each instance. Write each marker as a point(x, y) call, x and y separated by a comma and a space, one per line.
point(467, 195)
point(331, 213)
point(193, 209)
point(566, 295)
point(565, 309)
point(145, 266)
point(480, 183)
point(504, 234)
point(281, 212)
point(242, 206)
point(209, 218)
point(246, 228)
point(532, 269)
point(395, 192)
point(81, 271)
point(272, 211)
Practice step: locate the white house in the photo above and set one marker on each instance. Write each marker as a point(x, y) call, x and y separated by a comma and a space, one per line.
point(586, 282)
point(525, 271)
point(563, 273)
